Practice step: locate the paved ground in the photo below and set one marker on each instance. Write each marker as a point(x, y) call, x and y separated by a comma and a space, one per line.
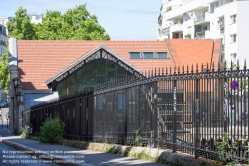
point(66, 154)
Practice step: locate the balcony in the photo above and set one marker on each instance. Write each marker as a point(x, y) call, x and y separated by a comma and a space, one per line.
point(165, 31)
point(222, 29)
point(202, 34)
point(176, 28)
point(159, 18)
point(203, 19)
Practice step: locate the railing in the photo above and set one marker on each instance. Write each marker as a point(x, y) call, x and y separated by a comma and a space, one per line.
point(200, 34)
point(183, 110)
point(159, 18)
point(165, 31)
point(222, 29)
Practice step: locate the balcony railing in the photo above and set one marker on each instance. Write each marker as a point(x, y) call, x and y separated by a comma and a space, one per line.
point(165, 31)
point(159, 18)
point(200, 34)
point(222, 29)
point(202, 18)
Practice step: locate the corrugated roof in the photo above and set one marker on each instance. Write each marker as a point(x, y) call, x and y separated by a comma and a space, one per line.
point(40, 60)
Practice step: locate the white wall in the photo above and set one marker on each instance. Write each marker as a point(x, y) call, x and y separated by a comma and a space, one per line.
point(243, 31)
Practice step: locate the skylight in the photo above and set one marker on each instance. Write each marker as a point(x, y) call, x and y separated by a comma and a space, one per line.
point(135, 55)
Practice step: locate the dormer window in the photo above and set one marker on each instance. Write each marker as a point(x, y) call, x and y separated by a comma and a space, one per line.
point(135, 55)
point(149, 55)
point(162, 55)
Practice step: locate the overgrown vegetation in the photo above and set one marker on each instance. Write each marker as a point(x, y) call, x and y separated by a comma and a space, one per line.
point(25, 132)
point(227, 150)
point(52, 130)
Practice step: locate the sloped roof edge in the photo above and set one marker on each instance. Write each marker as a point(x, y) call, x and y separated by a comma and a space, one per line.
point(85, 57)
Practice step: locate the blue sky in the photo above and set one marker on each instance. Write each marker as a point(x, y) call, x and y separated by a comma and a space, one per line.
point(122, 19)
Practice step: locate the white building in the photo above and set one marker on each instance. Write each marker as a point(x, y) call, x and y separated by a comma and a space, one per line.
point(3, 40)
point(210, 19)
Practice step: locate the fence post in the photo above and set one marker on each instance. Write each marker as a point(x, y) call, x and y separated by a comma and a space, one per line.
point(155, 114)
point(174, 116)
point(197, 117)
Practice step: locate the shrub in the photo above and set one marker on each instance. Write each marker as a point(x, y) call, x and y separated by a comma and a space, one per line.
point(25, 132)
point(52, 130)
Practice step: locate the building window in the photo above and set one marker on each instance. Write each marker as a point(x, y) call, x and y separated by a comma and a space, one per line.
point(233, 19)
point(162, 55)
point(234, 57)
point(233, 38)
point(135, 55)
point(121, 101)
point(100, 101)
point(149, 55)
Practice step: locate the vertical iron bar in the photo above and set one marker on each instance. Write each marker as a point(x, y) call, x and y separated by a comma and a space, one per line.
point(197, 117)
point(174, 114)
point(155, 110)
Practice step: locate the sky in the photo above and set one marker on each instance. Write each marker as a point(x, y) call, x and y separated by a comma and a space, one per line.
point(122, 19)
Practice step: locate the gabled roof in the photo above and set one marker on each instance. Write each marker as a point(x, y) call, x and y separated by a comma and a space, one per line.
point(41, 60)
point(88, 55)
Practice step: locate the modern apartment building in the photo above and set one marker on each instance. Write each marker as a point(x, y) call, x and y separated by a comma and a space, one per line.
point(208, 19)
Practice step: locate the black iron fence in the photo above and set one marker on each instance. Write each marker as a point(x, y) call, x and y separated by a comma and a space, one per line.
point(184, 110)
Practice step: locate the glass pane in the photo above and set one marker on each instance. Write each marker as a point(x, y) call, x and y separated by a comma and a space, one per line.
point(101, 80)
point(101, 67)
point(162, 55)
point(120, 71)
point(149, 55)
point(135, 55)
point(111, 76)
point(121, 101)
point(110, 65)
point(100, 101)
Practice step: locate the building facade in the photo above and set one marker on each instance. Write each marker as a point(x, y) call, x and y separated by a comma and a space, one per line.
point(3, 41)
point(44, 71)
point(207, 19)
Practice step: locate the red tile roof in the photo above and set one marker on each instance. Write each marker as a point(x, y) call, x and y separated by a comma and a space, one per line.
point(42, 59)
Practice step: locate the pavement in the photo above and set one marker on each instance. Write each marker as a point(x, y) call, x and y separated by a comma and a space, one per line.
point(66, 155)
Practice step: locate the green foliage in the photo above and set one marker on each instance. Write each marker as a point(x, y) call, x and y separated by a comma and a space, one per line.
point(168, 8)
point(20, 27)
point(4, 72)
point(226, 151)
point(52, 130)
point(75, 24)
point(25, 132)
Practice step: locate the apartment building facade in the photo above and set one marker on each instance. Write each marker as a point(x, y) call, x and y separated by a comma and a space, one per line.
point(208, 19)
point(3, 40)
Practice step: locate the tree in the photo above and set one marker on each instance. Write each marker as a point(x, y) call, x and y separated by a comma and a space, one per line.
point(75, 24)
point(4, 72)
point(21, 27)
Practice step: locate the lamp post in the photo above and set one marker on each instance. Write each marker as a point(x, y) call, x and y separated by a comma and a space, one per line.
point(17, 100)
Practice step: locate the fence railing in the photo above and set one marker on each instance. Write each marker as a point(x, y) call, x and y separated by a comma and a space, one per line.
point(183, 110)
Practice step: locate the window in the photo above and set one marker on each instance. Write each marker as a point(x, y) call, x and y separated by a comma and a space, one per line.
point(162, 55)
point(100, 102)
point(149, 55)
point(121, 101)
point(233, 38)
point(233, 19)
point(135, 55)
point(234, 57)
